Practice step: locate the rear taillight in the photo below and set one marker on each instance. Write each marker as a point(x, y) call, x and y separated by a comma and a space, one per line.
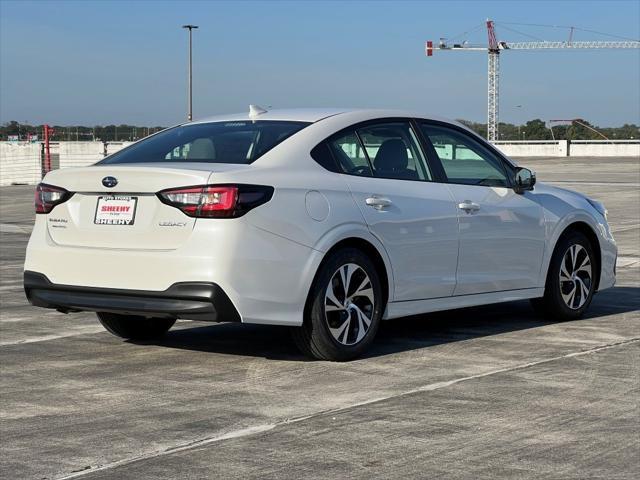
point(216, 201)
point(48, 196)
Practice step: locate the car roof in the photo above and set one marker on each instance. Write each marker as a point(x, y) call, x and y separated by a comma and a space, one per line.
point(313, 115)
point(291, 114)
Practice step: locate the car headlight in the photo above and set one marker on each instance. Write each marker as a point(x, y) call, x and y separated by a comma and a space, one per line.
point(599, 206)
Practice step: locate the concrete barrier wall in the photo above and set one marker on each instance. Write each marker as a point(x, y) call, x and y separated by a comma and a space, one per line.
point(82, 154)
point(79, 154)
point(542, 148)
point(573, 148)
point(22, 162)
point(596, 148)
point(19, 163)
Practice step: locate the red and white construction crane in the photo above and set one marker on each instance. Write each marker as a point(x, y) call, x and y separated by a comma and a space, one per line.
point(495, 47)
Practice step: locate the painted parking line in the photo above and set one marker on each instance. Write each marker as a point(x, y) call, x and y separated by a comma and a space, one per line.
point(265, 427)
point(14, 228)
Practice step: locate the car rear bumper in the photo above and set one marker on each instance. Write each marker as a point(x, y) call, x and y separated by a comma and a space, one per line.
point(189, 300)
point(265, 276)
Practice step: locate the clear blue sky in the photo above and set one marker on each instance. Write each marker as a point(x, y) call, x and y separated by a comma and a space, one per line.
point(107, 62)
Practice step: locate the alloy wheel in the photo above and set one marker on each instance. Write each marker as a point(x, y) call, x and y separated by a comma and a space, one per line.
point(575, 276)
point(349, 304)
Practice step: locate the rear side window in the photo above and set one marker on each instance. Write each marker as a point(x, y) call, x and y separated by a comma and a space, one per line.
point(220, 142)
point(324, 157)
point(394, 152)
point(350, 155)
point(382, 150)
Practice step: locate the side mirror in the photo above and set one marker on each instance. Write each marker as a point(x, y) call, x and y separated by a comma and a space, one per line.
point(525, 179)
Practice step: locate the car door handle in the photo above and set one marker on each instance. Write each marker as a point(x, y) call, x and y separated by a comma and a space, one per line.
point(379, 203)
point(469, 206)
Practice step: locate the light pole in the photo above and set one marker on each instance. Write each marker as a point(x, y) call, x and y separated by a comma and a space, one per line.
point(520, 107)
point(190, 90)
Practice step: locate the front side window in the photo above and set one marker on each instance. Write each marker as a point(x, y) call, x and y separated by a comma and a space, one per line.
point(394, 152)
point(464, 159)
point(220, 142)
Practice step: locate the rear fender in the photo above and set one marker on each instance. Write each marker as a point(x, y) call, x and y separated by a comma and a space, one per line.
point(360, 232)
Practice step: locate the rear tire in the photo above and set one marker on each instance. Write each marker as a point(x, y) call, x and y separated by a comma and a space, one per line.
point(340, 323)
point(133, 327)
point(570, 281)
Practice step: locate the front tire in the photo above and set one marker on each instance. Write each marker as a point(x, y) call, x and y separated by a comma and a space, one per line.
point(570, 281)
point(345, 308)
point(133, 327)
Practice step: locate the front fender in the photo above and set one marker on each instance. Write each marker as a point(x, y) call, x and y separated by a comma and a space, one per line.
point(606, 244)
point(563, 208)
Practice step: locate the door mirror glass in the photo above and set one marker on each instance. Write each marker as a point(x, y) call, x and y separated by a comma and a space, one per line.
point(525, 180)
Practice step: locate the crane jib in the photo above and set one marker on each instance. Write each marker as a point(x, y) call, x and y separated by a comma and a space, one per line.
point(494, 47)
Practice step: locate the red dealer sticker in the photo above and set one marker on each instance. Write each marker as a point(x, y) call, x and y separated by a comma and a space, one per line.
point(116, 210)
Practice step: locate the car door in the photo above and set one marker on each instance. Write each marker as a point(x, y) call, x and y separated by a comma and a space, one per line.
point(414, 217)
point(502, 233)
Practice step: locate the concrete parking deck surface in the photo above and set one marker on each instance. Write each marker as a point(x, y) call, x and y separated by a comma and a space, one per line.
point(475, 393)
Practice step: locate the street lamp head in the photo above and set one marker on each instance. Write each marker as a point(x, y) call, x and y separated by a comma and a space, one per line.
point(190, 26)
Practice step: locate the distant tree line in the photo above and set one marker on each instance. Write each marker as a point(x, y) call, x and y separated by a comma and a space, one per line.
point(106, 133)
point(532, 130)
point(539, 130)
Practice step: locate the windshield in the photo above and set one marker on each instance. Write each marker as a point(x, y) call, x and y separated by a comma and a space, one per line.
point(222, 142)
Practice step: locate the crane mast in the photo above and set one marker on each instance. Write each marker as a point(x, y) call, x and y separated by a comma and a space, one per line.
point(494, 48)
point(493, 83)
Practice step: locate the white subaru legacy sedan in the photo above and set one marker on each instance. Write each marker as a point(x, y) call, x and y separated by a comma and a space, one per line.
point(327, 221)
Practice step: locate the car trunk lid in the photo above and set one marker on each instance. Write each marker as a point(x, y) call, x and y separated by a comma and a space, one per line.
point(128, 214)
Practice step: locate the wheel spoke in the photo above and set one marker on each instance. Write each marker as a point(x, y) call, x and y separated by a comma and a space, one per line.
point(365, 318)
point(585, 266)
point(331, 297)
point(363, 324)
point(343, 329)
point(568, 297)
point(573, 298)
point(362, 330)
point(345, 336)
point(332, 308)
point(564, 274)
point(345, 274)
point(574, 257)
point(364, 290)
point(367, 293)
point(584, 291)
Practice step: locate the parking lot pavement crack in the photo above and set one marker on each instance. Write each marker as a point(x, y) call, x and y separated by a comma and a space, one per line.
point(262, 428)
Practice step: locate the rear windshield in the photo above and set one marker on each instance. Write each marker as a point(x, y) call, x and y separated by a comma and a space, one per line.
point(222, 142)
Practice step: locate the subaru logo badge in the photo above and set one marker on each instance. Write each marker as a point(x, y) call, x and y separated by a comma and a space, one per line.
point(109, 182)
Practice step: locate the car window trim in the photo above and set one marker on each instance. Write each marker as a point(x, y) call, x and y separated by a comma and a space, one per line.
point(507, 167)
point(430, 155)
point(366, 154)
